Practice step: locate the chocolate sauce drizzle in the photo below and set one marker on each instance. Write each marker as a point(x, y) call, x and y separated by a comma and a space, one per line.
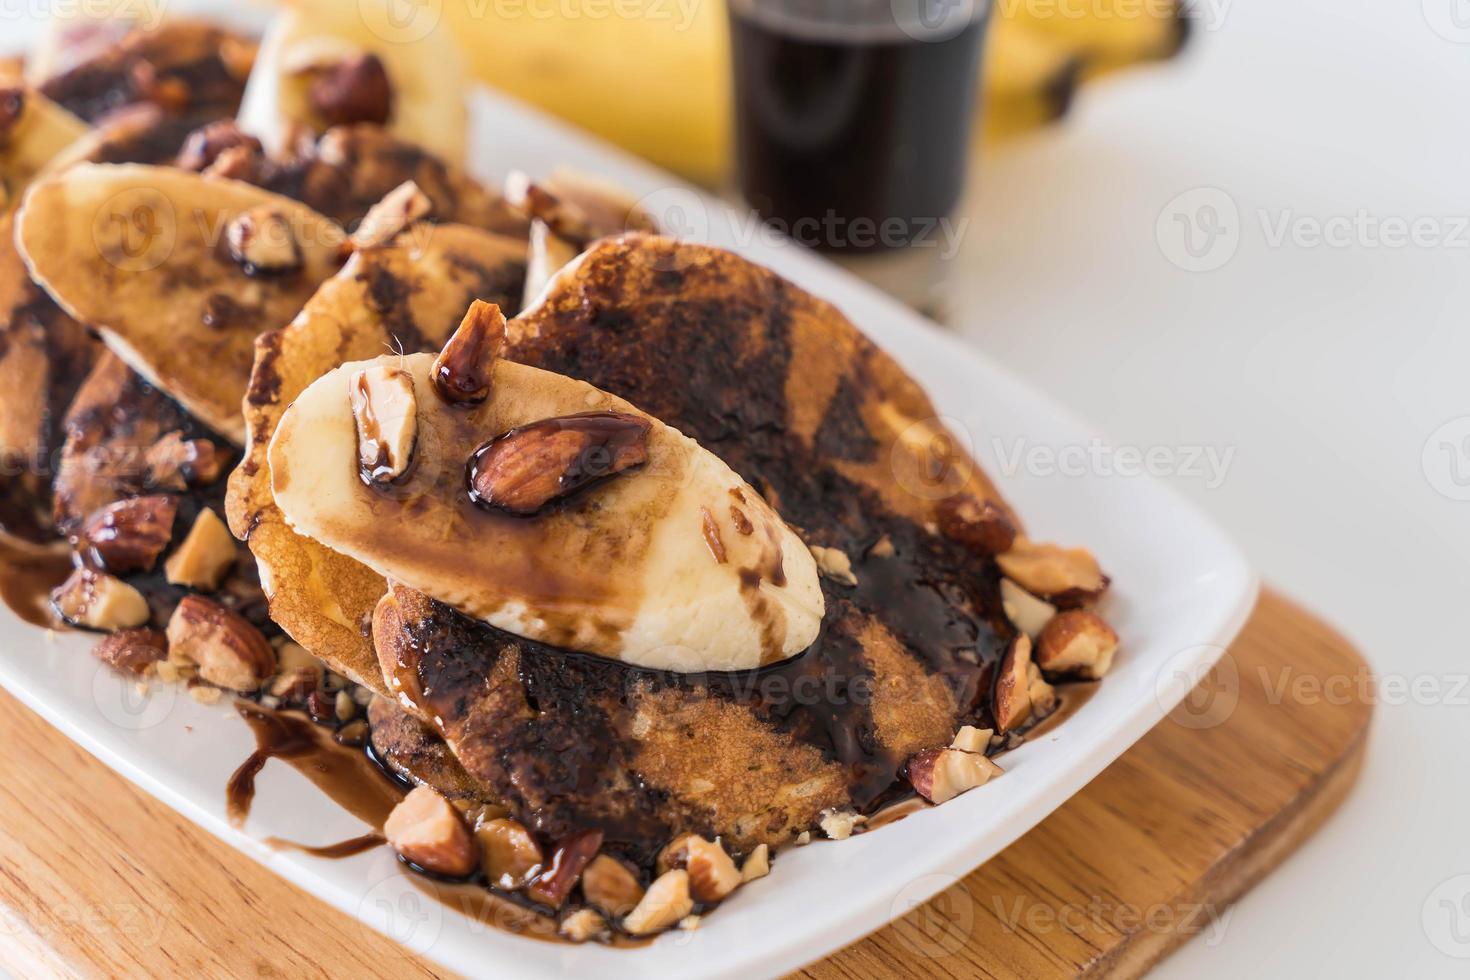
point(937, 599)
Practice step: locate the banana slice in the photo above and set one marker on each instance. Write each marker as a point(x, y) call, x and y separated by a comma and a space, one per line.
point(677, 564)
point(425, 73)
point(33, 130)
point(158, 262)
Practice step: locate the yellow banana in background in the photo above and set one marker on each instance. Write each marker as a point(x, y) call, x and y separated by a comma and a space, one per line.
point(652, 75)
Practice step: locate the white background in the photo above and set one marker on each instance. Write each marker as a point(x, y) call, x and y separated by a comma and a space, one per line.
point(1326, 367)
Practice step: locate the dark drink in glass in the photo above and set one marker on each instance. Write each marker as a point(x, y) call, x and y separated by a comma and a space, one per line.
point(853, 118)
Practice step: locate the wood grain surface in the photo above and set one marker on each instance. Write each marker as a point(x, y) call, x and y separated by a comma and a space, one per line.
point(99, 879)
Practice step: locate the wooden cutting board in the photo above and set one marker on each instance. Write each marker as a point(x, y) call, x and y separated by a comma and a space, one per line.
point(99, 879)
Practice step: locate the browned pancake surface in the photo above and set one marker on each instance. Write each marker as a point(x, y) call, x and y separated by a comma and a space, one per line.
point(799, 403)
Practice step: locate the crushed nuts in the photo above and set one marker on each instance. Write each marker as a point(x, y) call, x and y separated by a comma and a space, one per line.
point(298, 673)
point(509, 855)
point(834, 563)
point(205, 556)
point(608, 884)
point(569, 858)
point(426, 829)
point(1026, 612)
point(176, 463)
point(757, 864)
point(462, 370)
point(205, 144)
point(229, 651)
point(385, 410)
point(564, 219)
point(355, 90)
point(98, 601)
point(1077, 643)
point(386, 220)
point(939, 775)
point(972, 739)
point(527, 468)
point(133, 650)
point(839, 824)
point(262, 241)
point(1012, 688)
point(666, 902)
point(981, 526)
point(712, 872)
point(582, 926)
point(1065, 577)
point(129, 535)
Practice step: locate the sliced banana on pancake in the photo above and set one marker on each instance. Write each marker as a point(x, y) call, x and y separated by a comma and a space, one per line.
point(33, 130)
point(551, 510)
point(178, 272)
point(394, 298)
point(327, 64)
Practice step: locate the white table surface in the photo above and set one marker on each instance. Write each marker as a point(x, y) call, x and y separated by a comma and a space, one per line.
point(1327, 368)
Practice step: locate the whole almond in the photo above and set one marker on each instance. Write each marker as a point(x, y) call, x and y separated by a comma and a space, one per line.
point(129, 535)
point(230, 651)
point(528, 468)
point(979, 525)
point(356, 90)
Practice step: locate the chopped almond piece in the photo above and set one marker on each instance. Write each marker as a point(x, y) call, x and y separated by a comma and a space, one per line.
point(972, 739)
point(509, 855)
point(712, 872)
point(1077, 643)
point(583, 925)
point(1026, 612)
point(757, 864)
point(426, 829)
point(132, 650)
point(571, 855)
point(99, 602)
point(1012, 702)
point(664, 904)
point(230, 651)
point(205, 556)
point(981, 526)
point(608, 884)
point(1065, 577)
point(939, 775)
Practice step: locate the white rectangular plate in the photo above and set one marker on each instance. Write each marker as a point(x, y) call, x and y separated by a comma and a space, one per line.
point(1181, 593)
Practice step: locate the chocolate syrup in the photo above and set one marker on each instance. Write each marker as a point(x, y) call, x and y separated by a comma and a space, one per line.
point(345, 774)
point(853, 120)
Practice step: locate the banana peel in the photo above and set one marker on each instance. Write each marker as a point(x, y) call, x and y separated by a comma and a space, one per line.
point(653, 75)
point(1105, 34)
point(1028, 80)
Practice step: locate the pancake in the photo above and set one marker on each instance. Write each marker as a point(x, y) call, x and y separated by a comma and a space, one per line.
point(396, 298)
point(187, 67)
point(140, 254)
